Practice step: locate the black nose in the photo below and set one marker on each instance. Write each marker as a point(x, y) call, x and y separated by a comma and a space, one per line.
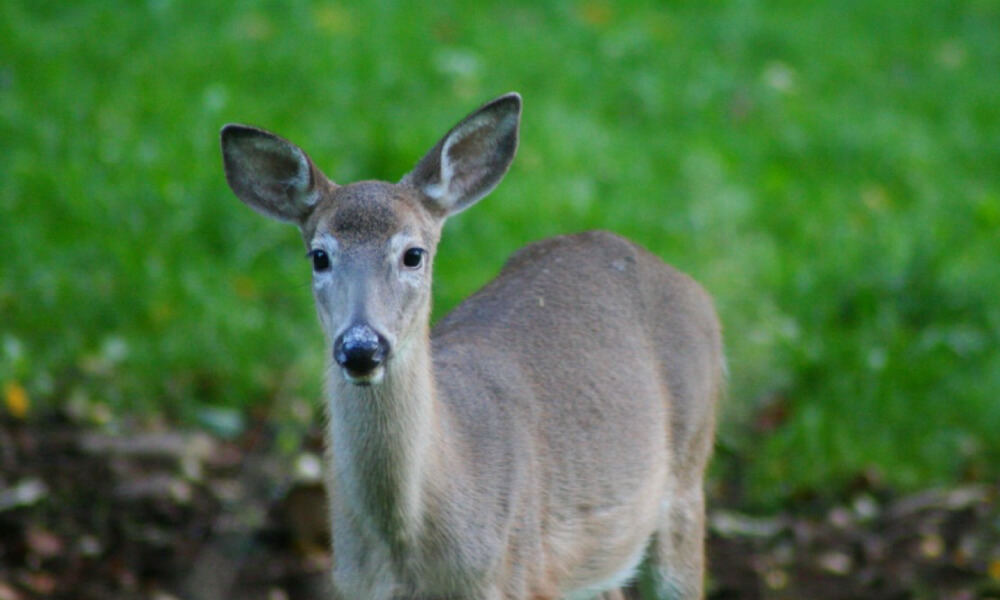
point(360, 349)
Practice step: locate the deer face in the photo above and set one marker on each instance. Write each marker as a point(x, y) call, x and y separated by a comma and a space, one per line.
point(371, 245)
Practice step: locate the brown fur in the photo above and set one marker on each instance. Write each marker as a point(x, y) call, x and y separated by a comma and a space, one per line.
point(549, 433)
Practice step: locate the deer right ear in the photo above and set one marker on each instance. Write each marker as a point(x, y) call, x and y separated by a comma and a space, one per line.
point(471, 159)
point(270, 174)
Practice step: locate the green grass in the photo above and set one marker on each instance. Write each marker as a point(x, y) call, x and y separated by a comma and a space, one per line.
point(829, 170)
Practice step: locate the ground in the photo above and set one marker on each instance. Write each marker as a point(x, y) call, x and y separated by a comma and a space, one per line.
point(168, 514)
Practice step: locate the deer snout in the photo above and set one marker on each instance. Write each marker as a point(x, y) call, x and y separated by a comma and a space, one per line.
point(360, 351)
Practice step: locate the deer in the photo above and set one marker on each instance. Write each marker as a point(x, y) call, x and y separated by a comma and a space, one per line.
point(546, 438)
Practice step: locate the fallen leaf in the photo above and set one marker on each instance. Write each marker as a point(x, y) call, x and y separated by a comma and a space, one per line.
point(24, 493)
point(836, 563)
point(8, 593)
point(334, 19)
point(733, 524)
point(43, 584)
point(932, 546)
point(16, 400)
point(994, 570)
point(89, 546)
point(43, 543)
point(595, 12)
point(776, 579)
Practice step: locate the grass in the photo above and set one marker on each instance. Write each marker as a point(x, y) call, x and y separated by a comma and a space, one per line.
point(829, 170)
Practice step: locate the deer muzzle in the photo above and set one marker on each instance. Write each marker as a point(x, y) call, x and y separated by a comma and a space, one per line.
point(361, 354)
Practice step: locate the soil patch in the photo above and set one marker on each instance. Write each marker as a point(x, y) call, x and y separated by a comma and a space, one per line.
point(165, 514)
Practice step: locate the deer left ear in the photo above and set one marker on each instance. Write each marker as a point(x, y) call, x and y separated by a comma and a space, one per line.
point(471, 159)
point(268, 173)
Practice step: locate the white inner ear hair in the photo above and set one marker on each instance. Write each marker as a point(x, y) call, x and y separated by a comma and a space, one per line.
point(438, 190)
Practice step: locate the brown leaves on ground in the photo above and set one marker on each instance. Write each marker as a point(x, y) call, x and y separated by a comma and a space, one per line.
point(940, 544)
point(178, 515)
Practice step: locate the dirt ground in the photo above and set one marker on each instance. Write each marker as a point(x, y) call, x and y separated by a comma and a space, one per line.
point(163, 514)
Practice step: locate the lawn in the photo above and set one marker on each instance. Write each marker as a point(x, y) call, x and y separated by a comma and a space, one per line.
point(830, 171)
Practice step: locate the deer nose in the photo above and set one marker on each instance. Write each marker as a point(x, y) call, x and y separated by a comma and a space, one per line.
point(360, 350)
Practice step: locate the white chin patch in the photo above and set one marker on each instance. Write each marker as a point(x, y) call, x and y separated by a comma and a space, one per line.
point(373, 378)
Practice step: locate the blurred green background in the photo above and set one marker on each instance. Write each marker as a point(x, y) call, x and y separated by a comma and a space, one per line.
point(829, 170)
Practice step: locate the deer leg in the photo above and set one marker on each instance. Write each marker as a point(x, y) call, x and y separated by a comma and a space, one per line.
point(677, 555)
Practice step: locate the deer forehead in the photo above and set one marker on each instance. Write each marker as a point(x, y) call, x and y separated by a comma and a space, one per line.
point(371, 213)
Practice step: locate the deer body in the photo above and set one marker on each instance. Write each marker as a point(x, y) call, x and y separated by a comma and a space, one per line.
point(550, 433)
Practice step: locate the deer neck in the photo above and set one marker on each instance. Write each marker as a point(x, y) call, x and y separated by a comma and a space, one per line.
point(385, 443)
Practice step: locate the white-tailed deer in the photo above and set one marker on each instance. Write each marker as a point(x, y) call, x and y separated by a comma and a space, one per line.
point(547, 435)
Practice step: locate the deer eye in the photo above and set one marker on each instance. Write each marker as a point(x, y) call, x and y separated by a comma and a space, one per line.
point(321, 260)
point(413, 258)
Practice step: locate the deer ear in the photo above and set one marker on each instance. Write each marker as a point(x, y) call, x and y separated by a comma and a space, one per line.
point(471, 159)
point(270, 174)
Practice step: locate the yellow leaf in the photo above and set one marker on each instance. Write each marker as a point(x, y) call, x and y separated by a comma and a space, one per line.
point(994, 569)
point(246, 287)
point(595, 12)
point(161, 313)
point(16, 400)
point(333, 19)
